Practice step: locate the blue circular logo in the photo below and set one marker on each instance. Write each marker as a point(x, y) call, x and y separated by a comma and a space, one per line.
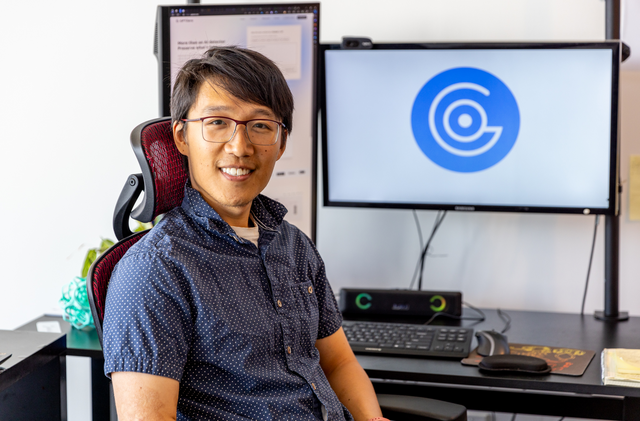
point(465, 119)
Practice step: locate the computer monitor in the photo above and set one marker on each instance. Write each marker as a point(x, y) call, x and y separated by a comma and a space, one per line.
point(519, 127)
point(287, 33)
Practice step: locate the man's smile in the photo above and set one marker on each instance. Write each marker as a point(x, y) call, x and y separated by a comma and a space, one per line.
point(235, 171)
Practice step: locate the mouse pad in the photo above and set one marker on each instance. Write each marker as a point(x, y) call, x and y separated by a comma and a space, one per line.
point(564, 361)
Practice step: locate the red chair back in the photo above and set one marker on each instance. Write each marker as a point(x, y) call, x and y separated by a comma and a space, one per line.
point(100, 274)
point(162, 164)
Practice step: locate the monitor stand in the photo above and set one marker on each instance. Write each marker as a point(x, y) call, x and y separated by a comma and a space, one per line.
point(611, 272)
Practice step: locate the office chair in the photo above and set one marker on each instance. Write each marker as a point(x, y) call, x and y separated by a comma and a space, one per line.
point(162, 180)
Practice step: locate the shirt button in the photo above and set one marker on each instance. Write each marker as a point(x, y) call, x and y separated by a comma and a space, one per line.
point(279, 303)
point(310, 290)
point(289, 350)
point(313, 385)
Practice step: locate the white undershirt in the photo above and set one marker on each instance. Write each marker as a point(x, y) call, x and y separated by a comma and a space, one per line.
point(251, 233)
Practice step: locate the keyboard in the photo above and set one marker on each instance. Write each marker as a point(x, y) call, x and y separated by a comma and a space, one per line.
point(408, 339)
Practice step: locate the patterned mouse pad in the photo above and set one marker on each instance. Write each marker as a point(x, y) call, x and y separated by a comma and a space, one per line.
point(564, 361)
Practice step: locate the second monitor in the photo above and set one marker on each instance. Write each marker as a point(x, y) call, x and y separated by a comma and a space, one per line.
point(493, 127)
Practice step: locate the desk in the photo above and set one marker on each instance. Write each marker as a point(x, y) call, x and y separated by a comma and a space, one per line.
point(84, 344)
point(33, 382)
point(583, 397)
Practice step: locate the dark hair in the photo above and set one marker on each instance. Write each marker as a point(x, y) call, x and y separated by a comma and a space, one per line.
point(243, 73)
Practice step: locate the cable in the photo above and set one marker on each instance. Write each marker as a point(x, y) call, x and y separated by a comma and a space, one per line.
point(415, 218)
point(419, 263)
point(439, 218)
point(420, 258)
point(506, 319)
point(415, 271)
point(481, 317)
point(593, 244)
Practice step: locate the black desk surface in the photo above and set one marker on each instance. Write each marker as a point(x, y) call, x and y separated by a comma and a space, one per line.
point(81, 343)
point(535, 328)
point(30, 351)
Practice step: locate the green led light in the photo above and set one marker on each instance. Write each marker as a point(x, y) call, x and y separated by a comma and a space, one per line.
point(443, 303)
point(359, 303)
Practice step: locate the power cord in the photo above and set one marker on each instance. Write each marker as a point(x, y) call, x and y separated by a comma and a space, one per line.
point(481, 317)
point(415, 272)
point(417, 220)
point(506, 319)
point(438, 221)
point(593, 245)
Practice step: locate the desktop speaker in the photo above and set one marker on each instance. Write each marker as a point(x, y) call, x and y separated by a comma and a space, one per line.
point(397, 302)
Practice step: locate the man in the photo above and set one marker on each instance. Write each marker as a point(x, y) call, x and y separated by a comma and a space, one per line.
point(223, 310)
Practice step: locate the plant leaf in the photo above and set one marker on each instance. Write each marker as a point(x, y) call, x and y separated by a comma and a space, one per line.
point(104, 245)
point(91, 257)
point(143, 226)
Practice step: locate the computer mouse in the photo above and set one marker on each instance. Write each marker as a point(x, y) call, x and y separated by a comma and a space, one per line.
point(491, 342)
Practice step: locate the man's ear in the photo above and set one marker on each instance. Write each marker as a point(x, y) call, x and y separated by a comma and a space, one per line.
point(179, 137)
point(283, 144)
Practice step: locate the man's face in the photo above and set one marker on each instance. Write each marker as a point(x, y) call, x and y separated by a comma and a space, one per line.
point(212, 165)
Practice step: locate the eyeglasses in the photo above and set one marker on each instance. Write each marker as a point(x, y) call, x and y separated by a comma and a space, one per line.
point(261, 132)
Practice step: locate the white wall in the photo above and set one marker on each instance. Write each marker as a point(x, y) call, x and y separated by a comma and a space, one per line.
point(79, 76)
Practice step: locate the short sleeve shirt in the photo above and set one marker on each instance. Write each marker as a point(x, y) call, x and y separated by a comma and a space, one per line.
point(235, 324)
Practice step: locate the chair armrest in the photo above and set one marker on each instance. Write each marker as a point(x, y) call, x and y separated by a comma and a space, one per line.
point(128, 196)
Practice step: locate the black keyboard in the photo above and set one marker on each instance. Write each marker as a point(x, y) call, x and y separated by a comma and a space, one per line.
point(408, 339)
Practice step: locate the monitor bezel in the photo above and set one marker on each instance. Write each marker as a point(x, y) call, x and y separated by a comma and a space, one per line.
point(612, 209)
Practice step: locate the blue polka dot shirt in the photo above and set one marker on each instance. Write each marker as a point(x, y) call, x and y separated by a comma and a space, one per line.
point(235, 324)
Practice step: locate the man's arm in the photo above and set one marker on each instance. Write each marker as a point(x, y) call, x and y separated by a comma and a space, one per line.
point(346, 376)
point(141, 396)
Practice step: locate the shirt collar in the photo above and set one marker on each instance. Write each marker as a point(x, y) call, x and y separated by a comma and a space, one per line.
point(267, 213)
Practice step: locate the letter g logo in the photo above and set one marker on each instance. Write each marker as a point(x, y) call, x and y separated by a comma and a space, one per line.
point(465, 119)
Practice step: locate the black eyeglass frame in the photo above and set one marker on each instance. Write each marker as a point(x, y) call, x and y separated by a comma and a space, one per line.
point(238, 122)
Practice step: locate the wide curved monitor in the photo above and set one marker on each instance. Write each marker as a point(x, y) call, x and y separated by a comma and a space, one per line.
point(526, 127)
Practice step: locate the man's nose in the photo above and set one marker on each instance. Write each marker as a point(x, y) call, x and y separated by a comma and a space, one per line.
point(239, 144)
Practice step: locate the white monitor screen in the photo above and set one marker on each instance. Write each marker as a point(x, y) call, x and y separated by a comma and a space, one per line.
point(514, 128)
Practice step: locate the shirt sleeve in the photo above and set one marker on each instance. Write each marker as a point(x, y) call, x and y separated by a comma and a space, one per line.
point(147, 325)
point(330, 318)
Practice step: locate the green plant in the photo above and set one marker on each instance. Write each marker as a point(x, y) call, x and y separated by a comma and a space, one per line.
point(93, 254)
